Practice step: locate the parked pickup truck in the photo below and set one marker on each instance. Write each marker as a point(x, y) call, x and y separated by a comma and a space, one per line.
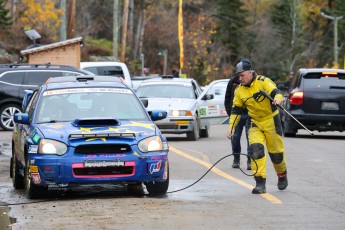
point(108, 69)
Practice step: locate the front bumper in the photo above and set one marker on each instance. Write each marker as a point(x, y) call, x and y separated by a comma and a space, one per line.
point(176, 125)
point(71, 169)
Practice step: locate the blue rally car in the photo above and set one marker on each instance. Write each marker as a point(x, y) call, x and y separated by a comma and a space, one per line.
point(84, 130)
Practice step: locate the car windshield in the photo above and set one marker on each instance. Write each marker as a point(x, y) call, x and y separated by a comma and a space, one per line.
point(166, 91)
point(324, 82)
point(70, 104)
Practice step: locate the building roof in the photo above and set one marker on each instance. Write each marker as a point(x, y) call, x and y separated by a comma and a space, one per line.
point(51, 46)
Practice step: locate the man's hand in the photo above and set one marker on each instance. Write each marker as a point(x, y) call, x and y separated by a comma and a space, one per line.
point(276, 101)
point(230, 133)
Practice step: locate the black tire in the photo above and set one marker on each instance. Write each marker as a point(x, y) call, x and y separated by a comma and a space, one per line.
point(157, 188)
point(288, 131)
point(194, 134)
point(135, 189)
point(17, 179)
point(6, 116)
point(205, 132)
point(32, 191)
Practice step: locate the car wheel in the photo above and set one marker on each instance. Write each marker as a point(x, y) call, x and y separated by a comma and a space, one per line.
point(158, 188)
point(6, 116)
point(32, 191)
point(17, 179)
point(205, 132)
point(288, 131)
point(194, 134)
point(135, 189)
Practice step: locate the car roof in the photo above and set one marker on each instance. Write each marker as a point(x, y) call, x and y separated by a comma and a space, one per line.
point(168, 79)
point(100, 63)
point(47, 66)
point(318, 70)
point(79, 81)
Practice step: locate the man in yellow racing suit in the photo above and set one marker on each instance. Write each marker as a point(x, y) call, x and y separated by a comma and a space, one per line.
point(265, 126)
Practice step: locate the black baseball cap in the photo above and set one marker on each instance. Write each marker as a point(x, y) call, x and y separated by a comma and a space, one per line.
point(242, 66)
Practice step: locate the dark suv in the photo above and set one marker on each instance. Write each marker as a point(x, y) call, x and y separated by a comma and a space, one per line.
point(317, 99)
point(16, 78)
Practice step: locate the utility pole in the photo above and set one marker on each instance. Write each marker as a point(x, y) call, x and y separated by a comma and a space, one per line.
point(164, 53)
point(63, 20)
point(335, 19)
point(71, 19)
point(124, 30)
point(142, 56)
point(116, 29)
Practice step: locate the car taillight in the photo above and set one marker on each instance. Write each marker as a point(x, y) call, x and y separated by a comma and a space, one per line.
point(296, 98)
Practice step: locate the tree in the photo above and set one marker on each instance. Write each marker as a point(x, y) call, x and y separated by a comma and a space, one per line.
point(42, 16)
point(5, 19)
point(339, 10)
point(232, 22)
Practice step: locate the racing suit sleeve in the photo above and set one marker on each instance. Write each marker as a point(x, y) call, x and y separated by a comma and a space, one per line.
point(271, 88)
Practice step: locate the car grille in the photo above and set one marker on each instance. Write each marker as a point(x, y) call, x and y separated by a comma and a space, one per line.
point(172, 127)
point(102, 149)
point(109, 171)
point(167, 126)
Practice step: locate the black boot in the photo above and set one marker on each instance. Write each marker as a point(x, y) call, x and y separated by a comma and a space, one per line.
point(249, 165)
point(236, 162)
point(260, 185)
point(282, 181)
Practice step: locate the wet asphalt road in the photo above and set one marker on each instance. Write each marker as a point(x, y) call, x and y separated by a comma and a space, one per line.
point(315, 198)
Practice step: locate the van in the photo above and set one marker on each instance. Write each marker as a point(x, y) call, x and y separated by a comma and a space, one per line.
point(108, 69)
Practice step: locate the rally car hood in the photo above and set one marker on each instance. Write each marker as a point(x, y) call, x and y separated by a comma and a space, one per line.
point(170, 103)
point(62, 131)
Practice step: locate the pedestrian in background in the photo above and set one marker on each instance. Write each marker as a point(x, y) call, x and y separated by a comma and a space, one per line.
point(242, 124)
point(265, 126)
point(175, 74)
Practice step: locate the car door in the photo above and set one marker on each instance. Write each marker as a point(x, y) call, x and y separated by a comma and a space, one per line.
point(211, 103)
point(21, 131)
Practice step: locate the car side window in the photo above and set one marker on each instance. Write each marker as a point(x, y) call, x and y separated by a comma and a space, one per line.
point(197, 89)
point(39, 77)
point(13, 78)
point(32, 104)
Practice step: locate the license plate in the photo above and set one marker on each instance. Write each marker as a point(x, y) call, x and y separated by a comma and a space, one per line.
point(182, 122)
point(98, 164)
point(330, 106)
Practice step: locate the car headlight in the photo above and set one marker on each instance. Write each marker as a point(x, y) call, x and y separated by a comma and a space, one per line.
point(47, 146)
point(177, 113)
point(152, 144)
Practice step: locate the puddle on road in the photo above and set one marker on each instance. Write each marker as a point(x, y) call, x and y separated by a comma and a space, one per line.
point(5, 220)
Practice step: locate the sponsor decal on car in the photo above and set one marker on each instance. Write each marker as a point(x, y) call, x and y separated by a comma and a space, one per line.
point(155, 167)
point(36, 138)
point(87, 90)
point(36, 178)
point(33, 148)
point(98, 164)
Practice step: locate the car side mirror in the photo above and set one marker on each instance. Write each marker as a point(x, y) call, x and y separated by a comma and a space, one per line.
point(207, 97)
point(21, 118)
point(282, 86)
point(158, 114)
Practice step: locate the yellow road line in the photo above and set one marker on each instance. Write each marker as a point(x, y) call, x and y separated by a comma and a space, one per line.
point(221, 173)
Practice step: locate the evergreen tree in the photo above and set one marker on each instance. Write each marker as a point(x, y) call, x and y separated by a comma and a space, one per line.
point(231, 31)
point(5, 20)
